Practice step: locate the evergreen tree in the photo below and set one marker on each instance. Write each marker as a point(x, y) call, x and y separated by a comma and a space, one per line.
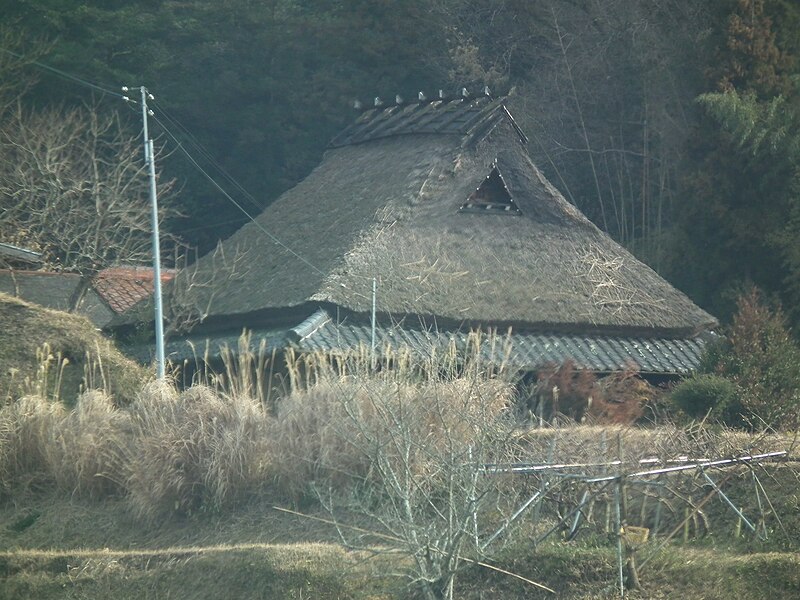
point(735, 200)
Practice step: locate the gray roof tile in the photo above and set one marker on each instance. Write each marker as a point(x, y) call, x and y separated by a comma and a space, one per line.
point(529, 351)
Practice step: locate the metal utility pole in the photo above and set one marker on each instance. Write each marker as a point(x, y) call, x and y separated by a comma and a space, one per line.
point(150, 159)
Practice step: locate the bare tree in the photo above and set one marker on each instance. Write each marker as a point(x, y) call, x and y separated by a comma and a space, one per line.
point(74, 186)
point(406, 452)
point(193, 291)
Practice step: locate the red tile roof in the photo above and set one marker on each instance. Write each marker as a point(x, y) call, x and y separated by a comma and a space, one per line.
point(122, 287)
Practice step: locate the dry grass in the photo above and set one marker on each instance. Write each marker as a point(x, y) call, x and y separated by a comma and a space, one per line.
point(297, 571)
point(87, 449)
point(193, 449)
point(166, 452)
point(589, 443)
point(170, 452)
point(26, 427)
point(325, 433)
point(80, 451)
point(341, 406)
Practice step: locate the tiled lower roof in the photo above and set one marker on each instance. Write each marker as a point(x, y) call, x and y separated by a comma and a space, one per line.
point(524, 351)
point(199, 348)
point(527, 351)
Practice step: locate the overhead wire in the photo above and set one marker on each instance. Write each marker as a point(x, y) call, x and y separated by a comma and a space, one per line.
point(206, 154)
point(64, 74)
point(230, 198)
point(182, 148)
point(239, 221)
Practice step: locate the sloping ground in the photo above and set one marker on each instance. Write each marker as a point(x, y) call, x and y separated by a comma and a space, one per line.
point(51, 547)
point(327, 572)
point(26, 328)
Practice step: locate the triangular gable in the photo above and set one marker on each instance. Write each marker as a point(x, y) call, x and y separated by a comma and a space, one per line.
point(491, 196)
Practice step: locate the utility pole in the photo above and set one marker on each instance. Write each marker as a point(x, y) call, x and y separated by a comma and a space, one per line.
point(150, 160)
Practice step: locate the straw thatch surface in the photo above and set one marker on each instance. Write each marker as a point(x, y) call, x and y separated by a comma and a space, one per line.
point(389, 208)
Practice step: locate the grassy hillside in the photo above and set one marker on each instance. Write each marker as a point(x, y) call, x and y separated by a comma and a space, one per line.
point(53, 351)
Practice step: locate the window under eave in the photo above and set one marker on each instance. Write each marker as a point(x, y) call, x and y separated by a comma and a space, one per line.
point(491, 197)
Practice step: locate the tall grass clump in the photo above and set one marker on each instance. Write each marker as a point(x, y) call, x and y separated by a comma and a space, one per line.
point(47, 378)
point(194, 449)
point(80, 451)
point(326, 433)
point(89, 450)
point(26, 428)
point(340, 406)
point(247, 369)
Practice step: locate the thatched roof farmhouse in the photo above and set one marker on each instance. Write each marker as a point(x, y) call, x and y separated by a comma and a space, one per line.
point(439, 203)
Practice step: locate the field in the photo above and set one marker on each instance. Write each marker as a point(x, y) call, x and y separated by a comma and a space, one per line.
point(59, 545)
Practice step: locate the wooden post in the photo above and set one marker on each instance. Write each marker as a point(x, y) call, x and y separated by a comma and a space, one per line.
point(618, 528)
point(686, 525)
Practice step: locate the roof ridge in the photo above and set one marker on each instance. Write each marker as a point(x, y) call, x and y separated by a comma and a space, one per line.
point(449, 115)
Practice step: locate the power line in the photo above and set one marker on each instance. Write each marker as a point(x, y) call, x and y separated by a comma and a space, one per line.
point(234, 202)
point(207, 155)
point(64, 74)
point(215, 224)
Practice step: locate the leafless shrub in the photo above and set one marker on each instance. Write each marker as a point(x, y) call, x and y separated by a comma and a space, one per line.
point(622, 398)
point(404, 447)
point(73, 187)
point(323, 434)
point(565, 389)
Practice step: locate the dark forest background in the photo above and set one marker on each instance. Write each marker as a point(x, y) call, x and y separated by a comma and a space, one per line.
point(671, 123)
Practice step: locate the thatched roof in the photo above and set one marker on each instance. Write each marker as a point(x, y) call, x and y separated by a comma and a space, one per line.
point(397, 198)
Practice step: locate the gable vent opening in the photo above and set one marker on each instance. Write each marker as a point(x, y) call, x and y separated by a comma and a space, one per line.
point(492, 196)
